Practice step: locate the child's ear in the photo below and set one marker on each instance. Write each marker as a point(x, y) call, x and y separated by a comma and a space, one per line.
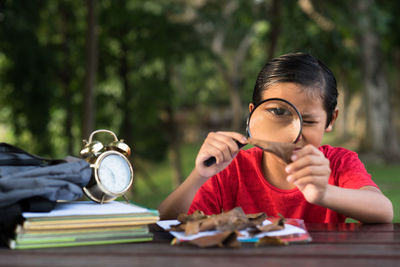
point(251, 107)
point(334, 117)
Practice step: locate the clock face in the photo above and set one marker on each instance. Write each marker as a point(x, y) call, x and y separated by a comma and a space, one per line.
point(114, 173)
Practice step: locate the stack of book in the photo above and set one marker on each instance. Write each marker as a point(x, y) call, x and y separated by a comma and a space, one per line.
point(84, 223)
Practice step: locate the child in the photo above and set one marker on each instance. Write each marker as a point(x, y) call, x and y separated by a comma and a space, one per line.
point(323, 184)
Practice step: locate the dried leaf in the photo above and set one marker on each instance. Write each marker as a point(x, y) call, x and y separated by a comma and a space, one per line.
point(192, 227)
point(276, 225)
point(282, 150)
point(232, 220)
point(226, 239)
point(197, 215)
point(271, 240)
point(256, 218)
point(228, 223)
point(269, 227)
point(178, 227)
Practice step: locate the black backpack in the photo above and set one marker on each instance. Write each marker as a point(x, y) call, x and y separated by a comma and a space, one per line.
point(33, 183)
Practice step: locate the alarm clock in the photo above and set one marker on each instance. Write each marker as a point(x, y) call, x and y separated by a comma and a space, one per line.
point(112, 173)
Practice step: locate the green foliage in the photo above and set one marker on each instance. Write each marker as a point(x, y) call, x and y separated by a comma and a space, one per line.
point(41, 69)
point(156, 57)
point(156, 61)
point(27, 65)
point(143, 46)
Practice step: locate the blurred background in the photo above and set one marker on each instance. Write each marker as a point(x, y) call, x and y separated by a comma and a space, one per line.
point(161, 74)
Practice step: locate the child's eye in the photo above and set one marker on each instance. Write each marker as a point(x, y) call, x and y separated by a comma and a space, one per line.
point(309, 122)
point(279, 111)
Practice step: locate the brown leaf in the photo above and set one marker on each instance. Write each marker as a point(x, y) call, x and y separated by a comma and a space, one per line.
point(178, 227)
point(196, 215)
point(228, 223)
point(256, 218)
point(227, 239)
point(232, 220)
point(269, 227)
point(207, 224)
point(192, 227)
point(277, 224)
point(282, 150)
point(271, 240)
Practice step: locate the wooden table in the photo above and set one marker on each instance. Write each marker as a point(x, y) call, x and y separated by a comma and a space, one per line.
point(333, 245)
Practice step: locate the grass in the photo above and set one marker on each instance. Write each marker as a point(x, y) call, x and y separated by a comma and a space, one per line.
point(387, 177)
point(153, 182)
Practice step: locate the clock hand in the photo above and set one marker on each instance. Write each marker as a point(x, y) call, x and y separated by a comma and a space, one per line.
point(112, 175)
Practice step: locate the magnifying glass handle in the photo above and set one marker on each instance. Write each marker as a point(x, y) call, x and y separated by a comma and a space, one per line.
point(212, 160)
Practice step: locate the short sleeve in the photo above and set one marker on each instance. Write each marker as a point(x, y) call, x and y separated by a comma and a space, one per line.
point(347, 169)
point(207, 198)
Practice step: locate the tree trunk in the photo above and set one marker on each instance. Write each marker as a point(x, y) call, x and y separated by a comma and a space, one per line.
point(381, 136)
point(275, 15)
point(236, 104)
point(174, 152)
point(89, 108)
point(231, 75)
point(233, 82)
point(127, 124)
point(66, 77)
point(173, 133)
point(66, 80)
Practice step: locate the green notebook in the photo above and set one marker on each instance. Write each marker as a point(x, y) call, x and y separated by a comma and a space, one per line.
point(84, 223)
point(15, 244)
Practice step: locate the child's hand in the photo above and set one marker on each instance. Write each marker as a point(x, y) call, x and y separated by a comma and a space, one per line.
point(310, 172)
point(222, 146)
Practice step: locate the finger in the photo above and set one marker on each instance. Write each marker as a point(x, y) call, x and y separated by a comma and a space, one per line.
point(230, 138)
point(309, 171)
point(307, 150)
point(304, 181)
point(211, 151)
point(236, 136)
point(219, 145)
point(226, 145)
point(308, 160)
point(308, 180)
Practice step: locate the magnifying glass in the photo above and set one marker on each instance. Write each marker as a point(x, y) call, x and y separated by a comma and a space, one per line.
point(273, 124)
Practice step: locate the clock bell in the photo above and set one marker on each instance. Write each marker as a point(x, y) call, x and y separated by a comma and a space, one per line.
point(112, 173)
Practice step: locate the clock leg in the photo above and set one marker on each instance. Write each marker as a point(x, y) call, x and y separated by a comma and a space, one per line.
point(126, 199)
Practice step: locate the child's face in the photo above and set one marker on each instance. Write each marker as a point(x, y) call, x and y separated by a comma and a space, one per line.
point(310, 106)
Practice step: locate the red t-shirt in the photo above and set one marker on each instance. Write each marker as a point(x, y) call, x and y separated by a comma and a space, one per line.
point(243, 184)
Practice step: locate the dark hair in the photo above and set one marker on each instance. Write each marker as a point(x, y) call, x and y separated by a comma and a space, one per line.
point(304, 70)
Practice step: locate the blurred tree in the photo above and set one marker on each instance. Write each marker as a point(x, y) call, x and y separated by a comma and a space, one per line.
point(338, 26)
point(66, 37)
point(228, 29)
point(140, 46)
point(276, 21)
point(28, 73)
point(89, 103)
point(42, 73)
point(381, 138)
point(160, 59)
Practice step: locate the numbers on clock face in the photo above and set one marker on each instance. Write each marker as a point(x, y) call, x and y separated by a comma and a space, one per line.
point(114, 173)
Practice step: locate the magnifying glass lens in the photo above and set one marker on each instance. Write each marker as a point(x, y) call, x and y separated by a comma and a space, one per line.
point(275, 121)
